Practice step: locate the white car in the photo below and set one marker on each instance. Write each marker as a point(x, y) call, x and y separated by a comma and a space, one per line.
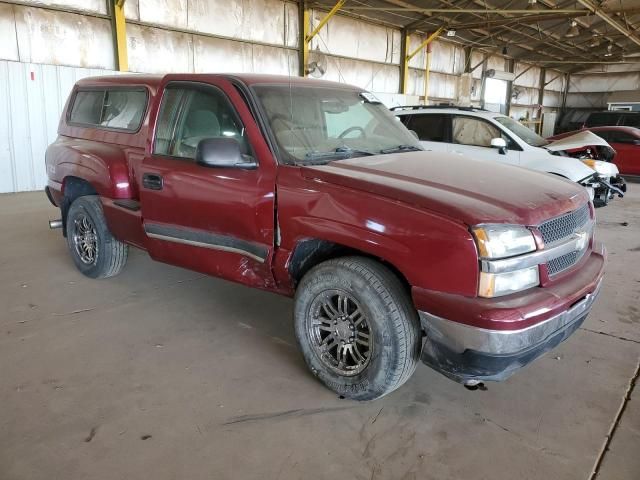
point(492, 136)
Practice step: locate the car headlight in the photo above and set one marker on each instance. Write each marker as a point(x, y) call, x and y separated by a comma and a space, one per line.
point(497, 242)
point(602, 168)
point(502, 241)
point(498, 284)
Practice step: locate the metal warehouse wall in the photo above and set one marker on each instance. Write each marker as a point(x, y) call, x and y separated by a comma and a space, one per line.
point(589, 91)
point(179, 36)
point(40, 36)
point(31, 100)
point(260, 36)
point(35, 35)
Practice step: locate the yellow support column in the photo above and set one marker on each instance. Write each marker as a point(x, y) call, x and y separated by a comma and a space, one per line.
point(427, 71)
point(407, 58)
point(404, 67)
point(304, 57)
point(120, 34)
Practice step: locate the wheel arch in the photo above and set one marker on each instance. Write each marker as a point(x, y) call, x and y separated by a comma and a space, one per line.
point(72, 188)
point(310, 252)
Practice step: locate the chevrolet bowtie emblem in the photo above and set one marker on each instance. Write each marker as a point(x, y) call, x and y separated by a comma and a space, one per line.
point(581, 240)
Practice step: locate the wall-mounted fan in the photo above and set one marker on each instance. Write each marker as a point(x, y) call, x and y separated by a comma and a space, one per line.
point(317, 65)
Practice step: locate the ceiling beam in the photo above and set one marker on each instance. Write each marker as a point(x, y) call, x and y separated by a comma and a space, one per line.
point(507, 21)
point(482, 11)
point(571, 62)
point(560, 44)
point(611, 21)
point(515, 31)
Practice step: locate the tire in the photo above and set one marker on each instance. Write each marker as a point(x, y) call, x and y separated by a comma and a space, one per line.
point(96, 253)
point(390, 327)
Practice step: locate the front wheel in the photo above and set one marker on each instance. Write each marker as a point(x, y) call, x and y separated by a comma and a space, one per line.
point(96, 253)
point(357, 327)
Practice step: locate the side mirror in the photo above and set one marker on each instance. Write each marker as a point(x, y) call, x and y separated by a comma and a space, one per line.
point(636, 141)
point(500, 144)
point(221, 152)
point(415, 134)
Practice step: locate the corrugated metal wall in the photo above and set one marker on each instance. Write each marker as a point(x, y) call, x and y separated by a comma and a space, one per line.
point(359, 53)
point(589, 92)
point(32, 97)
point(179, 36)
point(35, 35)
point(248, 36)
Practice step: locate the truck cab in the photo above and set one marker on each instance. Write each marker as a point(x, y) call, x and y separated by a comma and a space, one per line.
point(314, 190)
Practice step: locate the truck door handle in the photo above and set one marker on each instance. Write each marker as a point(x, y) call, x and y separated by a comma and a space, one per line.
point(152, 181)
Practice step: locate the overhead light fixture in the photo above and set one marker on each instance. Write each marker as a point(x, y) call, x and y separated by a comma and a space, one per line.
point(451, 33)
point(573, 31)
point(533, 5)
point(609, 50)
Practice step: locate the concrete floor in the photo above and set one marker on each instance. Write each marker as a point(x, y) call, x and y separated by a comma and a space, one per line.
point(162, 373)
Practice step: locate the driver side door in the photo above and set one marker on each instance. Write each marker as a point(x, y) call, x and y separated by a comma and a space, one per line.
point(216, 220)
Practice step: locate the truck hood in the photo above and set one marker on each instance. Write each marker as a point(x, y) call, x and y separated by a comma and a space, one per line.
point(579, 140)
point(461, 188)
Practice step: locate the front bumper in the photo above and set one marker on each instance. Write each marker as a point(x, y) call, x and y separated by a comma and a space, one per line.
point(608, 189)
point(619, 184)
point(466, 352)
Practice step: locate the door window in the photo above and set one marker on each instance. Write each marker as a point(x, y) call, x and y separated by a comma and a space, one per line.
point(430, 128)
point(631, 120)
point(191, 114)
point(473, 131)
point(603, 134)
point(620, 137)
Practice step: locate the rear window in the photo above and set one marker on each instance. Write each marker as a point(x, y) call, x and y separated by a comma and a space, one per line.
point(118, 109)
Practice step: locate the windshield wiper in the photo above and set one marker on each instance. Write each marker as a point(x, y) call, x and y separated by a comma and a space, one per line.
point(339, 153)
point(401, 148)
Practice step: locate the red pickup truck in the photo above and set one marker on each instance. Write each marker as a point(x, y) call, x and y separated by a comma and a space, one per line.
point(315, 190)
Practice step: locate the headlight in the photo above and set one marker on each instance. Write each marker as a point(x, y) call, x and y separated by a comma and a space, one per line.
point(498, 284)
point(602, 168)
point(497, 242)
point(501, 241)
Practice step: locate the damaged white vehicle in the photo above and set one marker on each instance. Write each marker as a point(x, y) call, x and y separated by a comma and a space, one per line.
point(492, 136)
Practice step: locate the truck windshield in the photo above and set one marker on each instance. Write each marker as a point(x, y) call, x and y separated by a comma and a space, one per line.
point(526, 134)
point(315, 124)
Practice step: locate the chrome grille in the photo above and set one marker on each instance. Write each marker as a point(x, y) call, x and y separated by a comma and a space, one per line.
point(563, 226)
point(561, 263)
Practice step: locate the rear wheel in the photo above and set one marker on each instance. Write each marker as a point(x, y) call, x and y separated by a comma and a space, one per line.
point(96, 253)
point(357, 327)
